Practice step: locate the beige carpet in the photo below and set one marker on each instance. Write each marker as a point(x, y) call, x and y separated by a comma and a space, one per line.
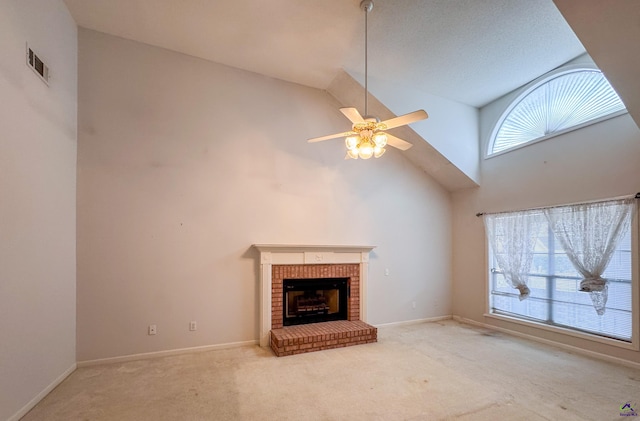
point(429, 371)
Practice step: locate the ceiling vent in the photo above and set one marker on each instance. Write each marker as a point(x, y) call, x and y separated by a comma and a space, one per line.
point(37, 65)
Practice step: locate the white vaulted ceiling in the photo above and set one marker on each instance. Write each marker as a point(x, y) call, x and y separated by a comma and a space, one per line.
point(471, 51)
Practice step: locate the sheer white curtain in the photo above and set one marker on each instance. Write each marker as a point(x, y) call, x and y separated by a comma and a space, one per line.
point(512, 237)
point(589, 234)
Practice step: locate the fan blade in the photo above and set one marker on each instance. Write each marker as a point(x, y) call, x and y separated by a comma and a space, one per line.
point(331, 136)
point(396, 142)
point(352, 114)
point(405, 119)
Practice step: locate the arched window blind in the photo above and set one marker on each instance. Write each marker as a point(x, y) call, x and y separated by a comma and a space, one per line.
point(556, 104)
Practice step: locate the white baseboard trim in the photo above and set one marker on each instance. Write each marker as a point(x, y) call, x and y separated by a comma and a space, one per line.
point(170, 352)
point(33, 402)
point(415, 321)
point(570, 348)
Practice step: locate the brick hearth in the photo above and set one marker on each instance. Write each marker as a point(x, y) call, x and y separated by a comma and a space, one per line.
point(299, 339)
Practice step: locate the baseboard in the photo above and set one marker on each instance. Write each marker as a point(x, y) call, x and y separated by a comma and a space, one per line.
point(33, 402)
point(415, 321)
point(157, 354)
point(560, 345)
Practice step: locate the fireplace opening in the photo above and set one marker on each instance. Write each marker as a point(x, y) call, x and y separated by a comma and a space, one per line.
point(314, 300)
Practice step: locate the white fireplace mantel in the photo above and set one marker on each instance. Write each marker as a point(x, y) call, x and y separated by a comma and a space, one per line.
point(291, 254)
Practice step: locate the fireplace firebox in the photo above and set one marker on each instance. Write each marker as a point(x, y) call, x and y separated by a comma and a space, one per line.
point(314, 300)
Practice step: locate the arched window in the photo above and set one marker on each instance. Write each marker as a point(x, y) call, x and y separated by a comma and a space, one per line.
point(556, 104)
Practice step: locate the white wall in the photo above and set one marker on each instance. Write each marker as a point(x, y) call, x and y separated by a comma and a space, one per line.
point(184, 164)
point(596, 162)
point(37, 202)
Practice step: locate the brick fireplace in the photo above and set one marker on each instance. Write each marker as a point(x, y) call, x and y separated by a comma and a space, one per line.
point(281, 272)
point(288, 263)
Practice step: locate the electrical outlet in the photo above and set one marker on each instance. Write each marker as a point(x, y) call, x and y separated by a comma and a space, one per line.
point(193, 326)
point(413, 304)
point(386, 272)
point(153, 329)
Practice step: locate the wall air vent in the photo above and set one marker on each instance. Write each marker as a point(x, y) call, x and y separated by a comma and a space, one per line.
point(37, 65)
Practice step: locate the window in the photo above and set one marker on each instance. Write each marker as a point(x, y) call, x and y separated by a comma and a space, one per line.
point(557, 104)
point(555, 297)
point(553, 284)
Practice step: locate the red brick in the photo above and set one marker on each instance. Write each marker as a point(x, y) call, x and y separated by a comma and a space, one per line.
point(313, 337)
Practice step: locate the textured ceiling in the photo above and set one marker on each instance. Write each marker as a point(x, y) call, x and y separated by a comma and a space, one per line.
point(471, 51)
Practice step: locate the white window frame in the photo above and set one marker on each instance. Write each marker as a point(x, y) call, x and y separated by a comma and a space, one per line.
point(634, 345)
point(524, 93)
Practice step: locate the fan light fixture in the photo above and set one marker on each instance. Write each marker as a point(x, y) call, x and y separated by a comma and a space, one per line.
point(366, 142)
point(367, 138)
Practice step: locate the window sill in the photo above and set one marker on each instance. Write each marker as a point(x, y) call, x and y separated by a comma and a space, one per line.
point(633, 345)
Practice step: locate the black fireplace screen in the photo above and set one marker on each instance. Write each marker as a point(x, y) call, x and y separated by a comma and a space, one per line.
point(314, 300)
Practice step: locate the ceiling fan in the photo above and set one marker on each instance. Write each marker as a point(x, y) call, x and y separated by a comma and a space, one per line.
point(367, 136)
